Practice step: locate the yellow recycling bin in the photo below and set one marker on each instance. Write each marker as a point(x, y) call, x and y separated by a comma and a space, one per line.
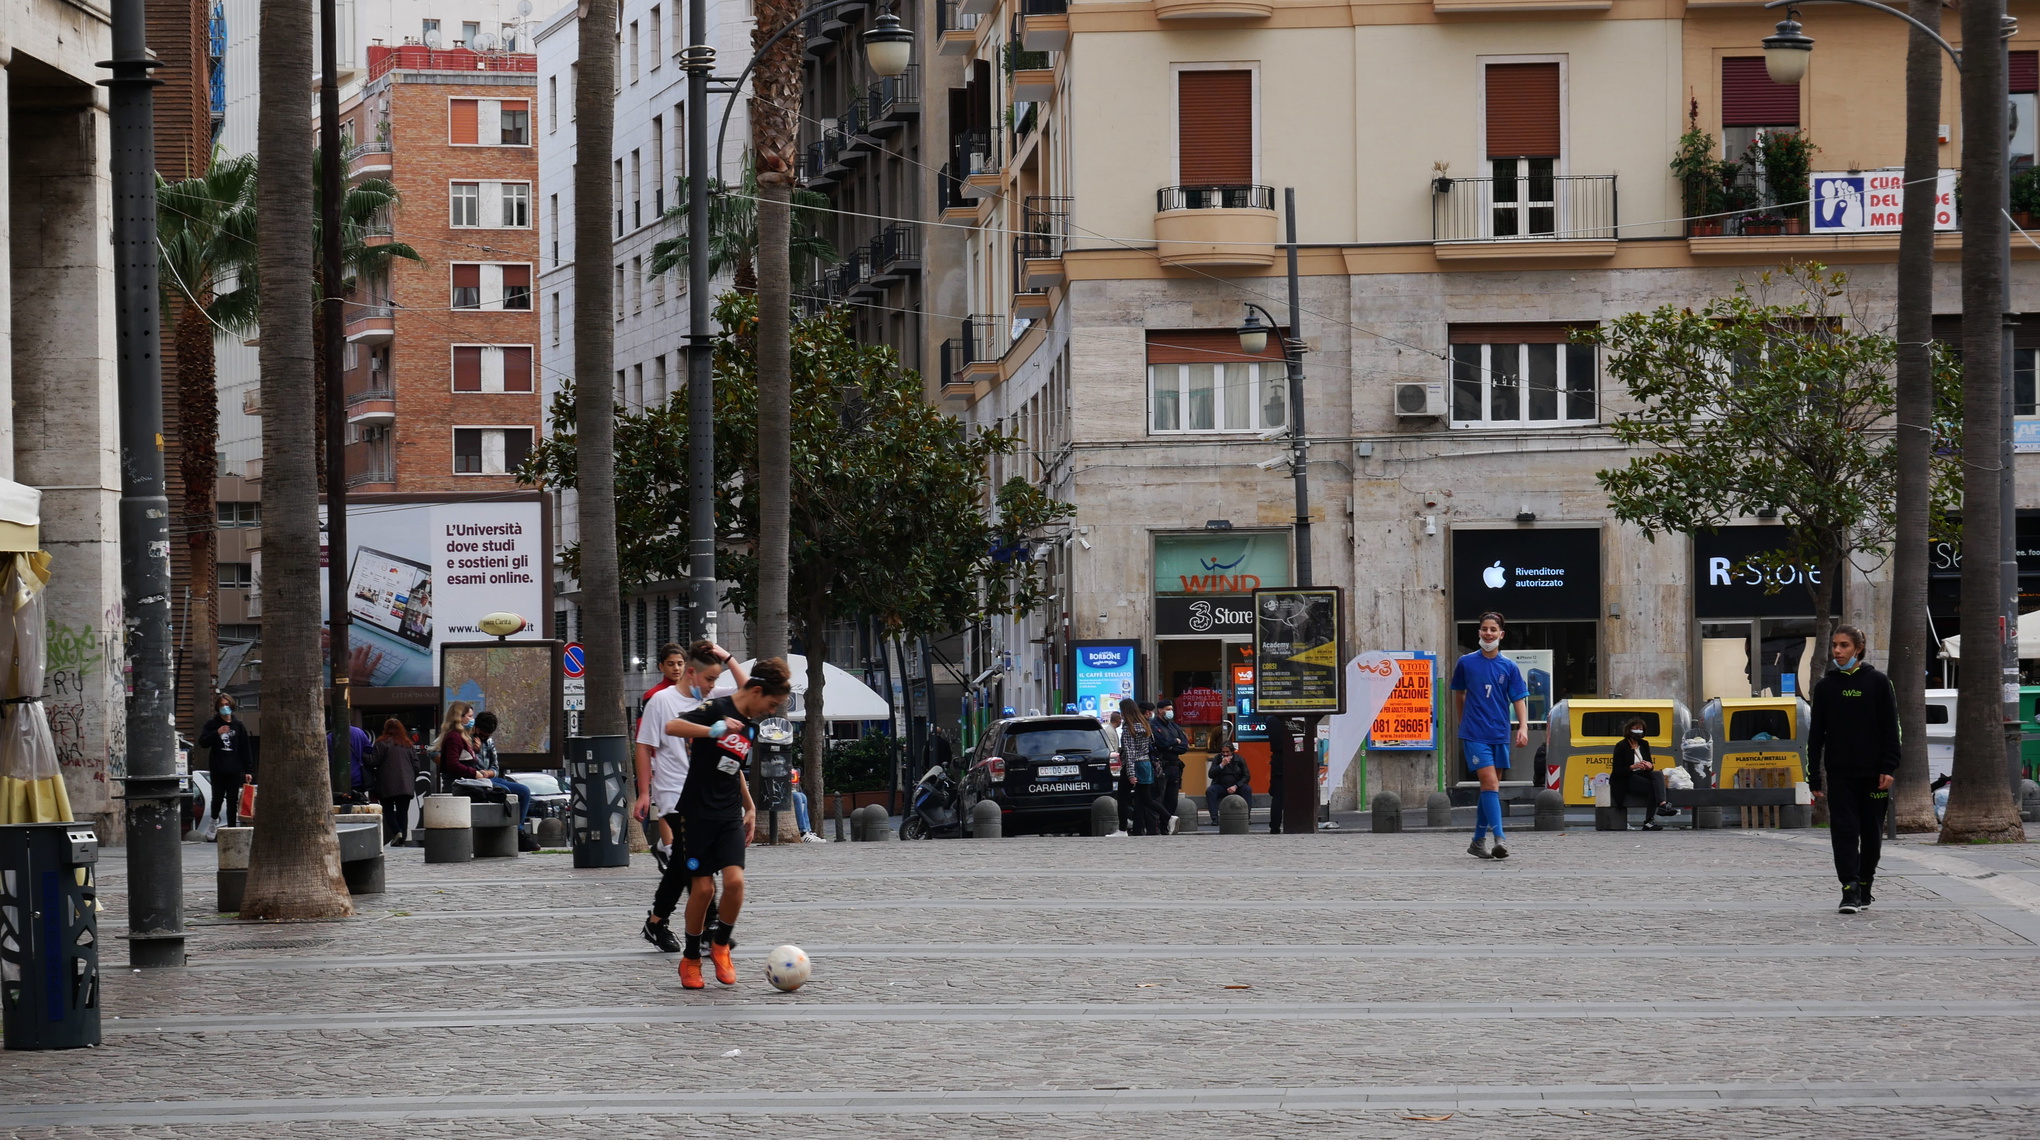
point(1757, 741)
point(1582, 735)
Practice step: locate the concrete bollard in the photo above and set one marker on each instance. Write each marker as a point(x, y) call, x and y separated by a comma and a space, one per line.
point(986, 822)
point(1186, 814)
point(1707, 818)
point(1104, 816)
point(2029, 801)
point(1550, 810)
point(449, 829)
point(1795, 815)
point(1233, 813)
point(232, 878)
point(552, 832)
point(860, 822)
point(840, 837)
point(1387, 812)
point(877, 824)
point(1610, 818)
point(1438, 810)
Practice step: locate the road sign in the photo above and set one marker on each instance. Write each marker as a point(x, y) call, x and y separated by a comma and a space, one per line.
point(574, 660)
point(574, 687)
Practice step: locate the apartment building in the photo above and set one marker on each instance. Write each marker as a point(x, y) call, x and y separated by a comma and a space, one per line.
point(651, 311)
point(1472, 182)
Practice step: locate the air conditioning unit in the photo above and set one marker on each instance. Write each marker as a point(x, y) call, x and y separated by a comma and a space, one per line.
point(1418, 398)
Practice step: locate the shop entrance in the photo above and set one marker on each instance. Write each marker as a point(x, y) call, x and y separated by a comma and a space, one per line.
point(1193, 673)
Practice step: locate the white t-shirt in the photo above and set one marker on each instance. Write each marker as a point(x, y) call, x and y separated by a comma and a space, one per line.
point(669, 753)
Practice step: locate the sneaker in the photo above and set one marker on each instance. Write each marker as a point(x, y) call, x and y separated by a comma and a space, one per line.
point(1478, 849)
point(812, 837)
point(1650, 825)
point(660, 934)
point(690, 974)
point(1667, 810)
point(725, 970)
point(1851, 903)
point(1863, 896)
point(1173, 821)
point(1499, 851)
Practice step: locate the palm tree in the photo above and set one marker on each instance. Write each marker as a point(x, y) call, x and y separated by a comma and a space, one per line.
point(594, 364)
point(205, 236)
point(294, 865)
point(364, 208)
point(733, 233)
point(775, 131)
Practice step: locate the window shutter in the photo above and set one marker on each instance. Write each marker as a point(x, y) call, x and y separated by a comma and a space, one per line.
point(468, 276)
point(465, 122)
point(1215, 128)
point(1204, 346)
point(1522, 110)
point(2025, 73)
point(467, 368)
point(1750, 99)
point(517, 275)
point(517, 369)
point(1515, 332)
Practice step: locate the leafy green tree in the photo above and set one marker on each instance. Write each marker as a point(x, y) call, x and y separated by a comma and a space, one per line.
point(1777, 397)
point(891, 508)
point(733, 233)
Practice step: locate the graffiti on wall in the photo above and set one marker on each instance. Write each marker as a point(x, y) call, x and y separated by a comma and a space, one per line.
point(83, 691)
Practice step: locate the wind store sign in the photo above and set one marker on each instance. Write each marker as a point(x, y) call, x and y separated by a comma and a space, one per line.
point(1221, 564)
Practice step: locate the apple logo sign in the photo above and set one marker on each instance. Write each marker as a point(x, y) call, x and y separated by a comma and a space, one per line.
point(1495, 576)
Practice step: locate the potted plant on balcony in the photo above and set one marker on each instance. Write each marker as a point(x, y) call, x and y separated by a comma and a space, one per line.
point(2025, 197)
point(1786, 159)
point(1700, 181)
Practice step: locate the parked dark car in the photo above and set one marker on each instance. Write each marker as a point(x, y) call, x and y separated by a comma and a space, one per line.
point(1043, 772)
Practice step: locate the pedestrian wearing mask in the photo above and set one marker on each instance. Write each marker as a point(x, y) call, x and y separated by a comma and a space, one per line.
point(1852, 761)
point(1227, 776)
point(1137, 760)
point(1633, 773)
point(457, 753)
point(1486, 687)
point(393, 775)
point(1171, 742)
point(231, 762)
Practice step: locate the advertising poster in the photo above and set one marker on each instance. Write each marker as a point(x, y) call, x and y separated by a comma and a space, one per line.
point(1874, 201)
point(422, 570)
point(1409, 720)
point(1106, 674)
point(1536, 667)
point(516, 680)
point(1297, 635)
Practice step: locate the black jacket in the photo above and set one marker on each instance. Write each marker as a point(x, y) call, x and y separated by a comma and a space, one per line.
point(226, 740)
point(1171, 742)
point(1854, 728)
point(1231, 772)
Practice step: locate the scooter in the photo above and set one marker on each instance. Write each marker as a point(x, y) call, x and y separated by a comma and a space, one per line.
point(933, 810)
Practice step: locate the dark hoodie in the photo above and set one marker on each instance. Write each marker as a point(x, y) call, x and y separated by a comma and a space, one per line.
point(1855, 726)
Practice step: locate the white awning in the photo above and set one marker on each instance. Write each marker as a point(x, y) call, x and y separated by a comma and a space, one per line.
point(2029, 639)
point(20, 516)
point(844, 697)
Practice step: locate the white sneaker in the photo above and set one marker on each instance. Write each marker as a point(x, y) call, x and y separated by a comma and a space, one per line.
point(1173, 821)
point(811, 837)
point(1116, 835)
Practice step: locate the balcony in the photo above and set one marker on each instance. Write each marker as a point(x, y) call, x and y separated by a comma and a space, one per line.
point(1044, 25)
point(895, 254)
point(1034, 84)
point(970, 360)
point(251, 401)
point(1539, 215)
point(1214, 9)
point(417, 57)
point(979, 161)
point(1038, 254)
point(369, 159)
point(824, 162)
point(369, 464)
point(374, 406)
point(953, 203)
point(894, 102)
point(371, 323)
point(956, 29)
point(1215, 227)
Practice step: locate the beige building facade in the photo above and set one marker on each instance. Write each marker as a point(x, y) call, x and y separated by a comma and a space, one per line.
point(1473, 181)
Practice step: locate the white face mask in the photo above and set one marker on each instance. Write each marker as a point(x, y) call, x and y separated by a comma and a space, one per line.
point(1169, 714)
point(1490, 644)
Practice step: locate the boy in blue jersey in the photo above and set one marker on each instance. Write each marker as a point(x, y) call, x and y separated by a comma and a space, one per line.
point(1486, 686)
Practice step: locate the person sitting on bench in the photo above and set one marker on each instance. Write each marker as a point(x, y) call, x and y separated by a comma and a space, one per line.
point(1228, 776)
point(1633, 774)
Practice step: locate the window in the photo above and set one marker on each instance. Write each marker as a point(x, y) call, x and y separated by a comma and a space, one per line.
point(1751, 104)
point(467, 368)
point(637, 385)
point(556, 319)
point(517, 205)
point(2023, 83)
point(233, 515)
point(1520, 374)
point(2025, 401)
point(659, 376)
point(1214, 128)
point(465, 122)
point(490, 451)
point(429, 33)
point(491, 368)
point(470, 32)
point(467, 286)
point(466, 199)
point(616, 194)
point(573, 91)
point(653, 38)
point(637, 189)
point(658, 165)
point(552, 103)
point(237, 576)
point(553, 206)
point(489, 122)
point(619, 292)
point(517, 287)
point(1524, 140)
point(1200, 381)
point(633, 52)
point(637, 284)
point(516, 130)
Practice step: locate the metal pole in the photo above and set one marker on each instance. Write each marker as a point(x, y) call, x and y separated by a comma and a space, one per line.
point(334, 338)
point(699, 62)
point(1299, 445)
point(155, 805)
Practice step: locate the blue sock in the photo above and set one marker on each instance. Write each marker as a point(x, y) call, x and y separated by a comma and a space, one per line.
point(1490, 812)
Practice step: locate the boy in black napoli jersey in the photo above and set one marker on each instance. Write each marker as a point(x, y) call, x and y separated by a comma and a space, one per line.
point(716, 804)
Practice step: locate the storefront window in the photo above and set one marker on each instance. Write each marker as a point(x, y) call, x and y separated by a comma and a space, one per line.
point(1569, 656)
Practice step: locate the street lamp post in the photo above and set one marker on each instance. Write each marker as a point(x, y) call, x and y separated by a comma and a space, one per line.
point(1986, 252)
point(889, 48)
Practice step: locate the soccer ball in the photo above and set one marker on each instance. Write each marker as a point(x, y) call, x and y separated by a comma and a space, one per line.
point(786, 967)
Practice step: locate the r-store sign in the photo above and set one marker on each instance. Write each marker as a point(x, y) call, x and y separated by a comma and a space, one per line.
point(1873, 201)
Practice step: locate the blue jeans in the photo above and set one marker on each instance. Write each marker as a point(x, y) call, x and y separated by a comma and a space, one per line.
point(800, 810)
point(522, 793)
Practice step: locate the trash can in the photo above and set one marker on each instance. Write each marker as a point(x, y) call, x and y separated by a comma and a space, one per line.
point(596, 767)
point(49, 936)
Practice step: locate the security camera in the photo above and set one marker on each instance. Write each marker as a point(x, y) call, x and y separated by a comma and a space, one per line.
point(1272, 464)
point(1275, 433)
point(1084, 542)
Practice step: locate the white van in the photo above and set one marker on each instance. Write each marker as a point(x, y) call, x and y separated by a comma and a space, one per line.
point(1940, 732)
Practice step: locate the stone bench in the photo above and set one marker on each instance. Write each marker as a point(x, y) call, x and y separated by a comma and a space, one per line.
point(495, 828)
point(1792, 813)
point(361, 854)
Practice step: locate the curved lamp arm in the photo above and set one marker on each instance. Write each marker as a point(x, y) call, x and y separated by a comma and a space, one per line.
point(1887, 10)
point(796, 22)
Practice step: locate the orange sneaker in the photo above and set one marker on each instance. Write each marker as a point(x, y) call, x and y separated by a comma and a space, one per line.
point(690, 974)
point(725, 970)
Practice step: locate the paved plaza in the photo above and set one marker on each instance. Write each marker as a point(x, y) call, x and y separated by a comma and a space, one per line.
point(1350, 984)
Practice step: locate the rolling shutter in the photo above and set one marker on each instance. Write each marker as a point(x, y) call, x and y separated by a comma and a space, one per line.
point(2024, 78)
point(467, 368)
point(1514, 332)
point(1750, 99)
point(1215, 128)
point(517, 369)
point(466, 119)
point(1204, 346)
point(1522, 110)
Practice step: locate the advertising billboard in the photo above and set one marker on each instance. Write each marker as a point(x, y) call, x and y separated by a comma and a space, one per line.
point(1874, 201)
point(1299, 650)
point(423, 569)
point(519, 681)
point(1107, 672)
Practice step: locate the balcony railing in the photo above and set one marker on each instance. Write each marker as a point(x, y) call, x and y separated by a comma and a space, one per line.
point(977, 153)
point(1534, 206)
point(952, 18)
point(371, 396)
point(1225, 197)
point(949, 191)
point(378, 146)
point(896, 251)
point(895, 98)
point(383, 59)
point(1044, 7)
point(1045, 220)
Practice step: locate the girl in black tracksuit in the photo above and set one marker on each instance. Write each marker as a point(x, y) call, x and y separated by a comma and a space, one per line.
point(1852, 758)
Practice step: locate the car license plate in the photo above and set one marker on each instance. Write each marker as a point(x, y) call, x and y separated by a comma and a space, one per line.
point(1047, 770)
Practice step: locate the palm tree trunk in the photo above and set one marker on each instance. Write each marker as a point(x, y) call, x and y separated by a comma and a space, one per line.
point(1913, 801)
point(319, 440)
point(294, 867)
point(198, 419)
point(775, 131)
point(594, 364)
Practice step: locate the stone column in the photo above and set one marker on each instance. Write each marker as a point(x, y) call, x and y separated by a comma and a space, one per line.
point(68, 419)
point(6, 275)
